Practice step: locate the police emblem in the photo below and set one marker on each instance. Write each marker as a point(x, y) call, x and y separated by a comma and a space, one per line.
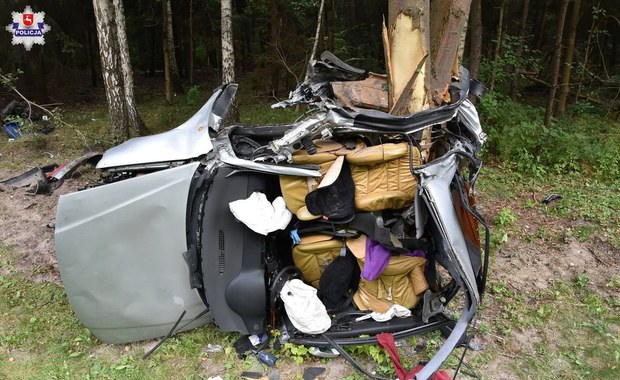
point(28, 28)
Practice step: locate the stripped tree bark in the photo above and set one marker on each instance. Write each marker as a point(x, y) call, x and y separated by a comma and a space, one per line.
point(421, 44)
point(116, 69)
point(555, 69)
point(407, 46)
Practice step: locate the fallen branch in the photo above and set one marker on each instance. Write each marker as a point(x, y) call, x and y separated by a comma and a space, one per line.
point(598, 258)
point(7, 82)
point(580, 96)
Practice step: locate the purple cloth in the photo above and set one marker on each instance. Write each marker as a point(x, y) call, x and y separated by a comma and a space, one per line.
point(416, 253)
point(378, 257)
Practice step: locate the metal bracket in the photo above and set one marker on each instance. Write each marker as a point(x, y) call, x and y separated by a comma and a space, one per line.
point(433, 304)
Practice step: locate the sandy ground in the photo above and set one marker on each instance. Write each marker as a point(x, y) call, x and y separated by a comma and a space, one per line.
point(27, 227)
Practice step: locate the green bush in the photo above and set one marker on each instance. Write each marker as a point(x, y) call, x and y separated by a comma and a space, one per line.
point(581, 141)
point(193, 95)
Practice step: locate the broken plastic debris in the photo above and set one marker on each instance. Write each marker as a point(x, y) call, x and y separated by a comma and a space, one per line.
point(257, 339)
point(212, 348)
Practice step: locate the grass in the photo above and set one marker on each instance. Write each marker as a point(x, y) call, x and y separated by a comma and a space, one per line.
point(593, 204)
point(570, 329)
point(575, 330)
point(40, 338)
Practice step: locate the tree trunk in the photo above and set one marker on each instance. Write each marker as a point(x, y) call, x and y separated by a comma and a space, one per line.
point(556, 62)
point(568, 59)
point(539, 28)
point(448, 22)
point(588, 49)
point(412, 76)
point(406, 46)
point(91, 50)
point(166, 52)
point(135, 121)
point(498, 45)
point(514, 87)
point(331, 26)
point(175, 77)
point(317, 35)
point(191, 42)
point(274, 33)
point(110, 69)
point(228, 53)
point(475, 37)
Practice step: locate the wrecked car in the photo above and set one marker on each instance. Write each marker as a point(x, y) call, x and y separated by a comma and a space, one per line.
point(333, 229)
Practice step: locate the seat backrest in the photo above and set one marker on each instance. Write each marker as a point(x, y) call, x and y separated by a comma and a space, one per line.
point(382, 176)
point(313, 255)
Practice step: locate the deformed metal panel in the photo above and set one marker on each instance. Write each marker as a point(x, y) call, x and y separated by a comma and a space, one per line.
point(189, 140)
point(119, 249)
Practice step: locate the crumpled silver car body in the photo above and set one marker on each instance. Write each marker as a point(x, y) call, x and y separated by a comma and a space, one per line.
point(156, 239)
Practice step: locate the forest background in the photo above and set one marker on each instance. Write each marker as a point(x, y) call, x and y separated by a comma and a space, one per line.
point(511, 46)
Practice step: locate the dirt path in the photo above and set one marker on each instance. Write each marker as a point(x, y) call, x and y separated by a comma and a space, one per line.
point(27, 227)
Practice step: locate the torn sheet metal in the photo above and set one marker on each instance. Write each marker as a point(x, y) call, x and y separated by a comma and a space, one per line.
point(370, 93)
point(34, 179)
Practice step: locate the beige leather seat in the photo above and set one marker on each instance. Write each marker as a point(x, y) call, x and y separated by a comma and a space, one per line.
point(402, 282)
point(314, 254)
point(382, 176)
point(294, 188)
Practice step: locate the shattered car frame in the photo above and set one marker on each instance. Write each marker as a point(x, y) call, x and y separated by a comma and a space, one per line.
point(157, 237)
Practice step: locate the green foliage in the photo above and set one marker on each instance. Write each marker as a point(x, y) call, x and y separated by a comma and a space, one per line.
point(505, 218)
point(509, 60)
point(376, 354)
point(580, 142)
point(193, 95)
point(296, 352)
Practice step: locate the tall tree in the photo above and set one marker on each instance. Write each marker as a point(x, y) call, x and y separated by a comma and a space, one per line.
point(116, 69)
point(448, 26)
point(421, 52)
point(568, 59)
point(317, 35)
point(274, 36)
point(555, 66)
point(475, 37)
point(228, 53)
point(171, 69)
point(514, 87)
point(498, 44)
point(135, 121)
point(191, 42)
point(166, 53)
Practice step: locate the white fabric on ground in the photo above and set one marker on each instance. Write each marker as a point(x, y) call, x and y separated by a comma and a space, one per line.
point(304, 308)
point(260, 215)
